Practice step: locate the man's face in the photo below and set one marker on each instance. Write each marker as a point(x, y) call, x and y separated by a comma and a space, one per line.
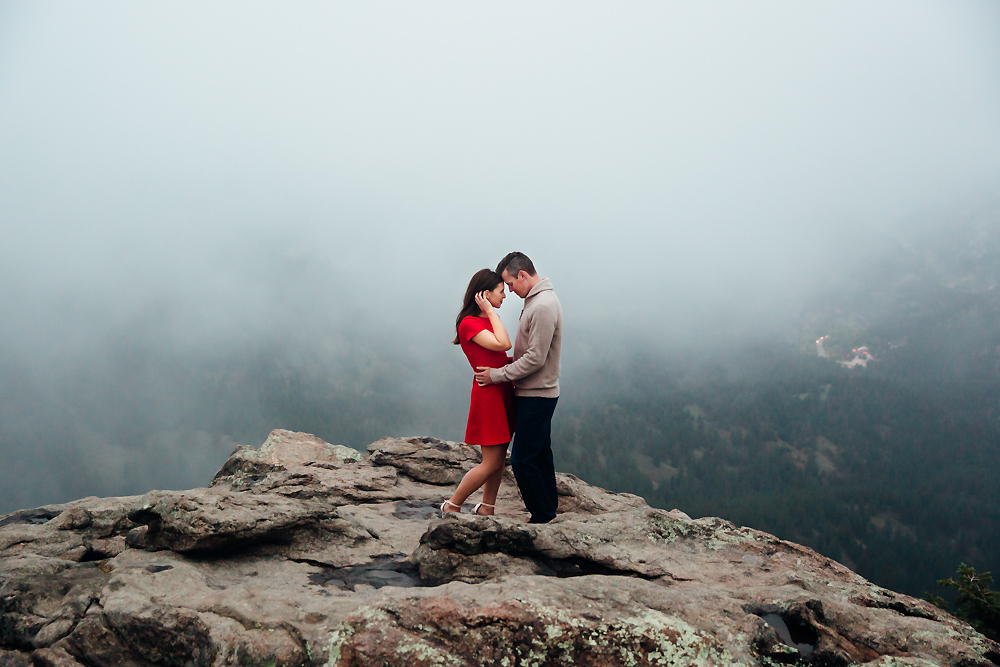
point(517, 284)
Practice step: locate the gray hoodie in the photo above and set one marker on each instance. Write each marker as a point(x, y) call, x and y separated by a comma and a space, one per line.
point(535, 369)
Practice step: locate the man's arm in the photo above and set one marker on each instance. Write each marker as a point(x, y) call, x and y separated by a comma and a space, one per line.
point(540, 331)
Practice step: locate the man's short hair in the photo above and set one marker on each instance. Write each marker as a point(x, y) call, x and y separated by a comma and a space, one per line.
point(514, 263)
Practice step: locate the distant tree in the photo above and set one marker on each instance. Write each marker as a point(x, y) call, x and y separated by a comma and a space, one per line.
point(976, 604)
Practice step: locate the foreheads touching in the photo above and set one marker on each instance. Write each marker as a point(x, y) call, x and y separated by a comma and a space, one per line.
point(514, 263)
point(518, 273)
point(483, 281)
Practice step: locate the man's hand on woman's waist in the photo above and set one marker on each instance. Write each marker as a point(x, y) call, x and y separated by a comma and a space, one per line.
point(483, 376)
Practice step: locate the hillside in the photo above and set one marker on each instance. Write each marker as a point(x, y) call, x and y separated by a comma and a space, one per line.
point(890, 468)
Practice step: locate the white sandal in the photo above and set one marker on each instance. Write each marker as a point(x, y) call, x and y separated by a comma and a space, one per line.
point(475, 510)
point(448, 502)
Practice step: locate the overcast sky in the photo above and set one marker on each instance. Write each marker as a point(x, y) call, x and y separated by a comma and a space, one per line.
point(222, 218)
point(684, 162)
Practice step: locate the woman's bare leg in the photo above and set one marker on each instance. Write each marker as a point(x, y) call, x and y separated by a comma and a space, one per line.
point(492, 484)
point(494, 457)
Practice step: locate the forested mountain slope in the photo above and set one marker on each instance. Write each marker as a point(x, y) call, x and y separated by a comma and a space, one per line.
point(890, 468)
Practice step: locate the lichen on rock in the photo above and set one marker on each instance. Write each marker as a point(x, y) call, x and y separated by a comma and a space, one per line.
point(304, 553)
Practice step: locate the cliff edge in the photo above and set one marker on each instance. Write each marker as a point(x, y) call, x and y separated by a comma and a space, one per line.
point(305, 553)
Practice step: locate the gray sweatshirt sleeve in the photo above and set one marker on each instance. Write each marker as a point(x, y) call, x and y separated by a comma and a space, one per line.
point(541, 328)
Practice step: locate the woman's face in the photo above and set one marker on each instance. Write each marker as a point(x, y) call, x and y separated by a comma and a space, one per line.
point(496, 295)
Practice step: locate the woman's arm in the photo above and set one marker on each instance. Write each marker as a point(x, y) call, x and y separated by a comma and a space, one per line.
point(498, 340)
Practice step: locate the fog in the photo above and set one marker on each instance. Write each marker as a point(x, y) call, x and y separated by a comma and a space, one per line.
point(187, 191)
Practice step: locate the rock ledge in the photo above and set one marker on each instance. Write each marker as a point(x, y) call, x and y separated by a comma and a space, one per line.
point(305, 553)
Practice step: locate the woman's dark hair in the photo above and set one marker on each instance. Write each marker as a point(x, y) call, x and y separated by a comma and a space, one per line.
point(483, 280)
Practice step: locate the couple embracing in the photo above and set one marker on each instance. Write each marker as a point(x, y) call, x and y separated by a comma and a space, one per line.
point(511, 395)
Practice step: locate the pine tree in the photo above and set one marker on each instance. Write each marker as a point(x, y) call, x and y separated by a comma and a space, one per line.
point(976, 603)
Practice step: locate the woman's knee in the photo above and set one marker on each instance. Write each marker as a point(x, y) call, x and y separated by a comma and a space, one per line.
point(492, 463)
point(490, 467)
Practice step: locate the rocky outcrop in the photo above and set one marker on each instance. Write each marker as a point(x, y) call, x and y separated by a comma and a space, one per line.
point(304, 553)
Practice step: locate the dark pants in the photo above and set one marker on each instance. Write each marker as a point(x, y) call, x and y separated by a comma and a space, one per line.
point(531, 457)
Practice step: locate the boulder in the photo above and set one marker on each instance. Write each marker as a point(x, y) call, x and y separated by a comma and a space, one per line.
point(304, 553)
point(285, 449)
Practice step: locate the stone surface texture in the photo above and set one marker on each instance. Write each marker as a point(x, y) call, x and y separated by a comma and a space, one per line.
point(305, 553)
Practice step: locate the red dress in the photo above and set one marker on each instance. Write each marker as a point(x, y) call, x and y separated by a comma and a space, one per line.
point(491, 408)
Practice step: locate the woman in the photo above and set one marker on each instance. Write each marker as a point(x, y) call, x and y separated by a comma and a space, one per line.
point(484, 340)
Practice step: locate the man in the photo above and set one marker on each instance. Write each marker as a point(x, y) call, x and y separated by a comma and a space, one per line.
point(535, 374)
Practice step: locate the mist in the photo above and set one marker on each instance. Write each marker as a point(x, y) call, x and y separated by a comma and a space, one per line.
point(226, 219)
